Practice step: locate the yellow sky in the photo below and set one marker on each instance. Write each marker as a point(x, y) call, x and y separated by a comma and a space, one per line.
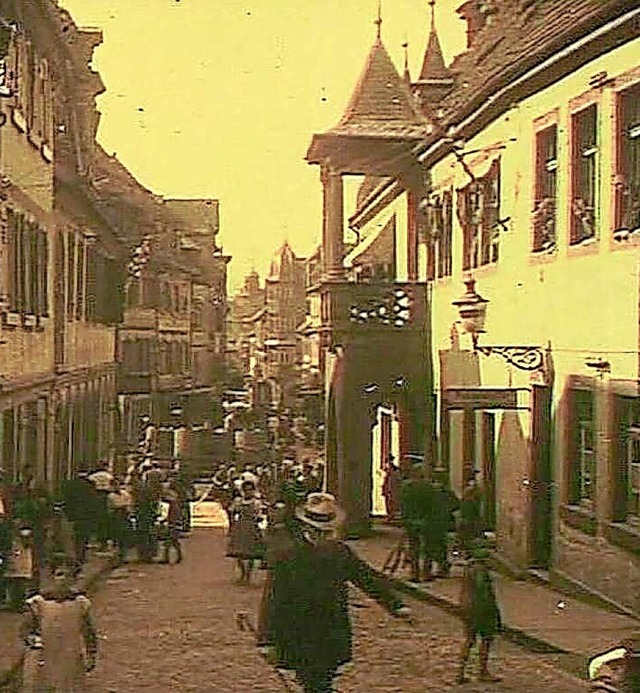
point(231, 93)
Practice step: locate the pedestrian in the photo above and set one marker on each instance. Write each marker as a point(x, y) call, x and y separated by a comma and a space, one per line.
point(61, 538)
point(60, 636)
point(439, 526)
point(20, 573)
point(246, 541)
point(102, 480)
point(391, 489)
point(307, 627)
point(480, 611)
point(147, 510)
point(81, 506)
point(618, 670)
point(471, 525)
point(6, 532)
point(120, 507)
point(172, 525)
point(415, 503)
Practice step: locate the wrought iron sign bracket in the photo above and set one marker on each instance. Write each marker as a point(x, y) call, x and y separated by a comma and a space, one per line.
point(525, 358)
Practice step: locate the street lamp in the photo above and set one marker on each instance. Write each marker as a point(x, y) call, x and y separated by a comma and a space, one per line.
point(472, 308)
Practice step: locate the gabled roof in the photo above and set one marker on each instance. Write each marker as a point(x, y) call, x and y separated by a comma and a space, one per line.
point(195, 215)
point(284, 256)
point(382, 103)
point(522, 35)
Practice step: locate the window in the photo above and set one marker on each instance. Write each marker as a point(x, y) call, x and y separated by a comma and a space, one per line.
point(628, 161)
point(545, 196)
point(71, 275)
point(28, 257)
point(80, 278)
point(584, 180)
point(627, 472)
point(479, 215)
point(583, 464)
point(440, 225)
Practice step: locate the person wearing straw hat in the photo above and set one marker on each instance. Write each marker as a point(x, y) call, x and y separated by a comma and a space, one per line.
point(315, 640)
point(618, 670)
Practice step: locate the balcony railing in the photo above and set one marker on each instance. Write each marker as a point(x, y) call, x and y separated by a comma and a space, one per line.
point(375, 306)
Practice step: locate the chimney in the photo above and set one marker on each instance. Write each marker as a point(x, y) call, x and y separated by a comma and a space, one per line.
point(476, 14)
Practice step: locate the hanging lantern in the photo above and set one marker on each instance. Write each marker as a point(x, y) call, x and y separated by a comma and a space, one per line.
point(472, 308)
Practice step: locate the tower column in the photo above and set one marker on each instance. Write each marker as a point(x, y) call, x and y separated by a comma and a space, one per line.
point(333, 226)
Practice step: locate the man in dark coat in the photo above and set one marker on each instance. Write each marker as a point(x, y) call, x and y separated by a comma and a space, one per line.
point(309, 630)
point(415, 503)
point(82, 508)
point(440, 523)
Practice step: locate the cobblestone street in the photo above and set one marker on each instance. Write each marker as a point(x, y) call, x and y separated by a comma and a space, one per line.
point(174, 629)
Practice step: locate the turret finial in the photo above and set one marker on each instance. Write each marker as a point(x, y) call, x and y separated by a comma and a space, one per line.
point(407, 73)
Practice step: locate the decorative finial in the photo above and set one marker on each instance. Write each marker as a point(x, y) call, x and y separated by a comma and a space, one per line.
point(432, 5)
point(405, 45)
point(378, 21)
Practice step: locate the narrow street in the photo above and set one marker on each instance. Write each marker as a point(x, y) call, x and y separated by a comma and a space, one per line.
point(174, 629)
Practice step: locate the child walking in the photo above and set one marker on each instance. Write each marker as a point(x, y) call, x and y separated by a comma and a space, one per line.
point(246, 542)
point(480, 611)
point(60, 637)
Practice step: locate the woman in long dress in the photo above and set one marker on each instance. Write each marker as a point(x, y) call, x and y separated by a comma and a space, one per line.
point(246, 542)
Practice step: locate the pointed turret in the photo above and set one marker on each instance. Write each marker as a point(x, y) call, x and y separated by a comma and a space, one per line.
point(381, 97)
point(435, 78)
point(382, 109)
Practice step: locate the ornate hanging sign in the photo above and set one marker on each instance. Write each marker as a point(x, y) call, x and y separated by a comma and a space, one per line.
point(525, 358)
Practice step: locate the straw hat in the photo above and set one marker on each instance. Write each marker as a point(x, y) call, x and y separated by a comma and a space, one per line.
point(321, 510)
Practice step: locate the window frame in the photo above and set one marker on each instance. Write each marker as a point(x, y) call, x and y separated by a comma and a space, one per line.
point(620, 214)
point(584, 211)
point(479, 221)
point(545, 203)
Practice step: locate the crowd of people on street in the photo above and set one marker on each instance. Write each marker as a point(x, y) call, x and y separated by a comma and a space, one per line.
point(281, 521)
point(146, 511)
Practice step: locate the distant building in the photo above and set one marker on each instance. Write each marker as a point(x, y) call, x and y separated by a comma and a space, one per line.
point(264, 323)
point(172, 339)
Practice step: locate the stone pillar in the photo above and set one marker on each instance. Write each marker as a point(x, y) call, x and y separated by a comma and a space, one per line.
point(468, 442)
point(355, 418)
point(333, 223)
point(413, 198)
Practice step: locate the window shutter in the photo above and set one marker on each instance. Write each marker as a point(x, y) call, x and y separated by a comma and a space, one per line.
point(572, 460)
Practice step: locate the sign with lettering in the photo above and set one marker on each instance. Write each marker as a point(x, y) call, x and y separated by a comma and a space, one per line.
point(482, 398)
